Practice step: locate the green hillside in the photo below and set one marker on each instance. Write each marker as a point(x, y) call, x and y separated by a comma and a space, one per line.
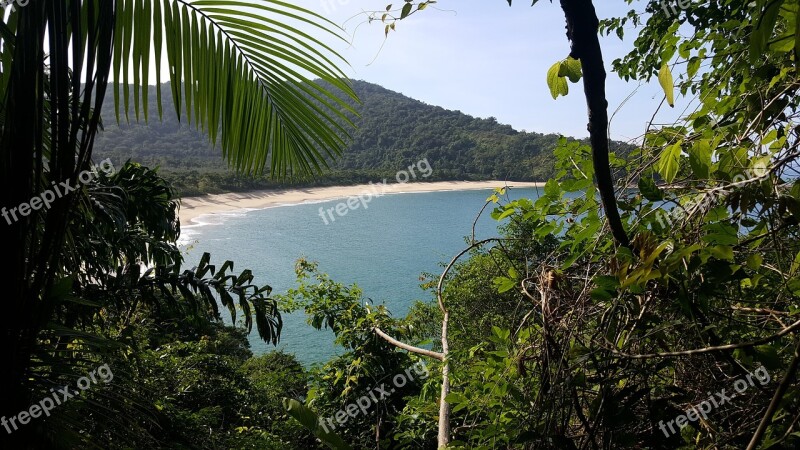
point(394, 131)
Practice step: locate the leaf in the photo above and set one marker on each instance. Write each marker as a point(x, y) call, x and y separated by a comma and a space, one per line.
point(667, 83)
point(557, 84)
point(309, 420)
point(668, 163)
point(700, 158)
point(405, 11)
point(455, 398)
point(797, 39)
point(600, 294)
point(552, 189)
point(754, 261)
point(721, 233)
point(648, 188)
point(570, 68)
point(506, 213)
point(722, 252)
point(764, 25)
point(692, 66)
point(795, 264)
point(242, 71)
point(504, 284)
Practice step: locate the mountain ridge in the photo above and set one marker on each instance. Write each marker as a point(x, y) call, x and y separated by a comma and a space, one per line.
point(393, 132)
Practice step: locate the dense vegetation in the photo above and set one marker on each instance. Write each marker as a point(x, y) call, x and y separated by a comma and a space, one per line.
point(90, 249)
point(197, 385)
point(393, 132)
point(672, 325)
point(678, 330)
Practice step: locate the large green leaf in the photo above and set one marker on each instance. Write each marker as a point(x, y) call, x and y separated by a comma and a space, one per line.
point(557, 84)
point(700, 154)
point(243, 71)
point(667, 83)
point(648, 188)
point(309, 420)
point(764, 26)
point(571, 68)
point(668, 163)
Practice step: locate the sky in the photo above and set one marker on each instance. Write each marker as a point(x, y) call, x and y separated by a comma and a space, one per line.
point(484, 58)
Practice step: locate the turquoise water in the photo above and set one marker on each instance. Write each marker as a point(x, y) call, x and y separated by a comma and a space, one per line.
point(384, 249)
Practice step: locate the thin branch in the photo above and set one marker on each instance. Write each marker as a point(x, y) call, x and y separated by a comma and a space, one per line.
point(411, 348)
point(444, 406)
point(776, 399)
point(697, 351)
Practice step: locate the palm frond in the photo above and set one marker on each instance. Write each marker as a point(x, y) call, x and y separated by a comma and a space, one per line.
point(242, 71)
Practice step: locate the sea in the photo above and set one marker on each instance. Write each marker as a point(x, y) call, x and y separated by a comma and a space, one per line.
point(384, 249)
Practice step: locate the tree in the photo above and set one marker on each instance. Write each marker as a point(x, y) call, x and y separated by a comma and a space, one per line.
point(582, 31)
point(625, 333)
point(237, 69)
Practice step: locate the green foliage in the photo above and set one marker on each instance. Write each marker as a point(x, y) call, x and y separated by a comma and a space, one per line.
point(116, 312)
point(239, 75)
point(310, 421)
point(560, 72)
point(558, 338)
point(198, 386)
point(367, 361)
point(482, 292)
point(491, 394)
point(82, 266)
point(667, 83)
point(596, 345)
point(620, 340)
point(390, 16)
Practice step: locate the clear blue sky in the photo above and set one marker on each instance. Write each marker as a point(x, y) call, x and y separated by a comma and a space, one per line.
point(485, 58)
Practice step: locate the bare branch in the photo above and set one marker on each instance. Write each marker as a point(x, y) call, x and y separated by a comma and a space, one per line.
point(776, 399)
point(698, 351)
point(411, 348)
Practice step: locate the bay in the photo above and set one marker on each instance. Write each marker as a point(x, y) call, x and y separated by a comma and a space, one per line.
point(383, 249)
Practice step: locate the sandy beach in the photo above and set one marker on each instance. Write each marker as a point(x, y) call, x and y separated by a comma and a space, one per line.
point(192, 207)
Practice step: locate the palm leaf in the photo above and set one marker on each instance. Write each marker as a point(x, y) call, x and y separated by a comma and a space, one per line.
point(242, 71)
point(310, 421)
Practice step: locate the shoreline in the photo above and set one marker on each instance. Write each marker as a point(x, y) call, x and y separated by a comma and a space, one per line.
point(212, 204)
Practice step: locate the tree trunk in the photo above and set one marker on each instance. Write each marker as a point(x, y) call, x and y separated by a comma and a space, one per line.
point(444, 406)
point(582, 31)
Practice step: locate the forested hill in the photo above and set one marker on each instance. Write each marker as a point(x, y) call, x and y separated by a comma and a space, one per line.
point(393, 132)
